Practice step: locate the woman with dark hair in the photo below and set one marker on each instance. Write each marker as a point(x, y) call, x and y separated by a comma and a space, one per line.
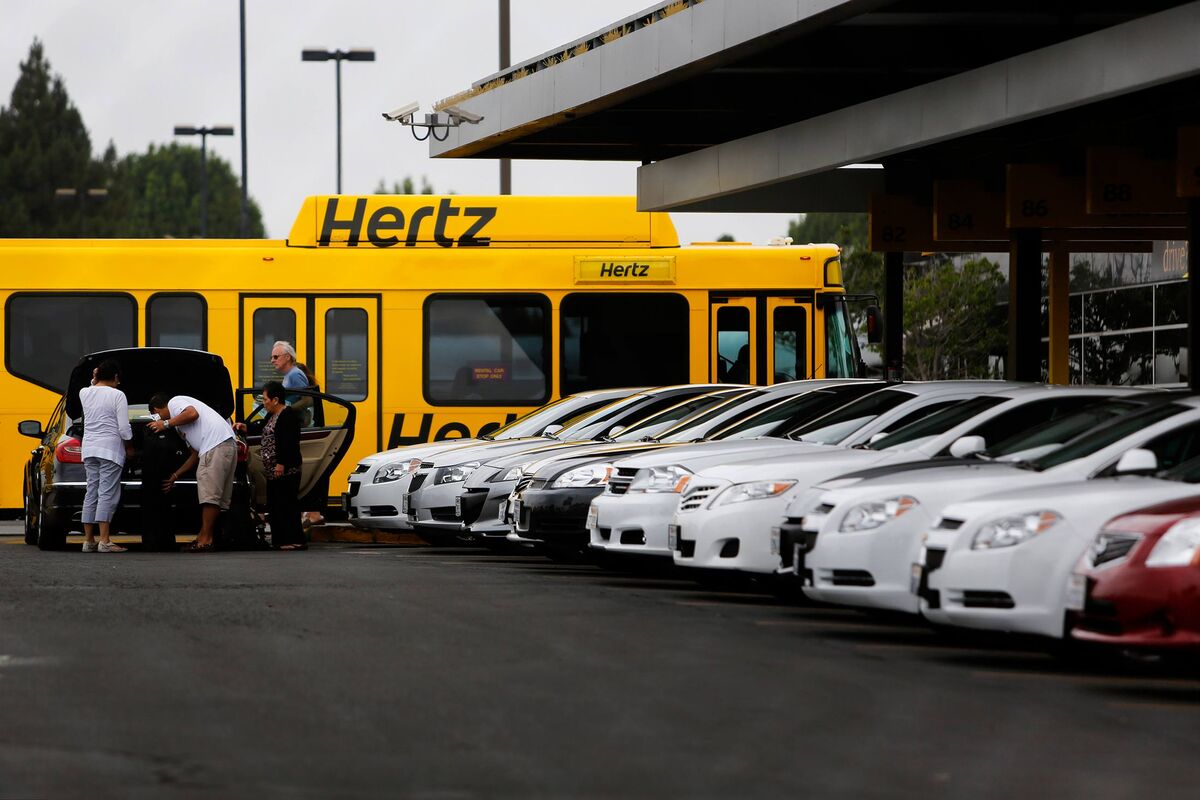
point(281, 462)
point(106, 437)
point(317, 498)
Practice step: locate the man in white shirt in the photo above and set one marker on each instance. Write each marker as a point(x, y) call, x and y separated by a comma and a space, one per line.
point(106, 436)
point(214, 454)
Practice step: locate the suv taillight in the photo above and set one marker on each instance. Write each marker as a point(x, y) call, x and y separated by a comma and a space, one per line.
point(69, 451)
point(243, 451)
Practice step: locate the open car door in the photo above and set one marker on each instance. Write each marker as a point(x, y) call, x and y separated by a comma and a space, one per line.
point(328, 430)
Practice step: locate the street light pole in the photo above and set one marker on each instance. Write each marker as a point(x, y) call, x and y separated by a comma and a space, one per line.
point(505, 63)
point(244, 221)
point(203, 132)
point(337, 56)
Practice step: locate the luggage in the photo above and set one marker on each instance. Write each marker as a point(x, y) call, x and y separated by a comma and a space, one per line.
point(162, 454)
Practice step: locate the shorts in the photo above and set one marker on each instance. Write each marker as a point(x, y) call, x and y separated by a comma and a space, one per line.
point(214, 475)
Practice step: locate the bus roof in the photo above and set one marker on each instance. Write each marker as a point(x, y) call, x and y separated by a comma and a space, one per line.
point(473, 221)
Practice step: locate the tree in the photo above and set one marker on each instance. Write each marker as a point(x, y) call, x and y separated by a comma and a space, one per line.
point(44, 146)
point(405, 186)
point(157, 193)
point(951, 320)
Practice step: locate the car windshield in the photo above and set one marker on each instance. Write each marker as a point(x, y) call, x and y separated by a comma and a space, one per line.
point(593, 423)
point(1063, 429)
point(698, 425)
point(785, 415)
point(833, 428)
point(935, 424)
point(679, 413)
point(1110, 433)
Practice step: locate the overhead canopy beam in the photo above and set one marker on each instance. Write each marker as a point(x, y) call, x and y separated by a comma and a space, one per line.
point(1130, 57)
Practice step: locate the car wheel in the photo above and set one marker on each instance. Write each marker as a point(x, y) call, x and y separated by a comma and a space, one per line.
point(49, 537)
point(30, 531)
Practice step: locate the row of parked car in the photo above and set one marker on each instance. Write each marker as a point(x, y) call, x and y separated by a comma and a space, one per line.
point(1048, 510)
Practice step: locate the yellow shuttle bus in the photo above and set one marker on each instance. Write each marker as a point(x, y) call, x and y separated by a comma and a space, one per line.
point(438, 317)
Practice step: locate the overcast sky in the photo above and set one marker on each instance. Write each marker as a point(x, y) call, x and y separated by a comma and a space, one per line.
point(137, 68)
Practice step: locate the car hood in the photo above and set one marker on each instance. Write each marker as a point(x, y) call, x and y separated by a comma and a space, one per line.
point(147, 370)
point(701, 455)
point(552, 464)
point(808, 468)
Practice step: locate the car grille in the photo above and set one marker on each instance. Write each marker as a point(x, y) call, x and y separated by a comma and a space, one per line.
point(847, 577)
point(523, 484)
point(416, 482)
point(949, 524)
point(824, 508)
point(687, 548)
point(1110, 547)
point(975, 598)
point(619, 483)
point(443, 514)
point(697, 497)
point(633, 536)
point(605, 533)
point(352, 488)
point(933, 562)
point(360, 469)
point(381, 511)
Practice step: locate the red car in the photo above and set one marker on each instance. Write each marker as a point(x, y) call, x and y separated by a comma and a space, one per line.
point(1143, 580)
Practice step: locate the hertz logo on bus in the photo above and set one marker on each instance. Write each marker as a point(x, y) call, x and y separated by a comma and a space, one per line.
point(656, 269)
point(386, 222)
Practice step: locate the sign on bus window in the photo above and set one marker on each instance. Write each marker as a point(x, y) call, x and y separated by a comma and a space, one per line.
point(346, 353)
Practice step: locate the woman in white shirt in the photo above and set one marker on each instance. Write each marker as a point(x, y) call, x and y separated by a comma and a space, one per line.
point(106, 435)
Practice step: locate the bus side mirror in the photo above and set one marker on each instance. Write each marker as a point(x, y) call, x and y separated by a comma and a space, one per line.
point(874, 325)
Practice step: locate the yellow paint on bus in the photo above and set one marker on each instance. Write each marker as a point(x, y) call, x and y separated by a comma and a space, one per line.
point(439, 317)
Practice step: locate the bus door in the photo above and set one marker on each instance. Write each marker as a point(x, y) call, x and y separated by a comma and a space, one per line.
point(734, 344)
point(789, 323)
point(346, 358)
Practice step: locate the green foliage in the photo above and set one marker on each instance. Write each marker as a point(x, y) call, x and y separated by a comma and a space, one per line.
point(157, 194)
point(951, 319)
point(44, 146)
point(406, 186)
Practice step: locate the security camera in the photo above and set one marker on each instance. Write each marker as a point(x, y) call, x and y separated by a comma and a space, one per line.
point(402, 114)
point(460, 115)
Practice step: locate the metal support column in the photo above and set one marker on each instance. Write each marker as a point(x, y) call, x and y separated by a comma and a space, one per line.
point(1060, 309)
point(1025, 306)
point(893, 316)
point(1193, 292)
point(505, 63)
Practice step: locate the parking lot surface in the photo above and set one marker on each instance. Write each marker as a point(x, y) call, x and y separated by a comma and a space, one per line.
point(364, 671)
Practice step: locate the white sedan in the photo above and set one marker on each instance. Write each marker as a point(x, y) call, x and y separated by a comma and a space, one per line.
point(854, 540)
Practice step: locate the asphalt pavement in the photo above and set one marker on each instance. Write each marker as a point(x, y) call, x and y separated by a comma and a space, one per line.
point(409, 671)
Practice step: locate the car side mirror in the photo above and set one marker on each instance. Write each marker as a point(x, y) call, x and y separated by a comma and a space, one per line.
point(551, 430)
point(966, 445)
point(31, 428)
point(616, 430)
point(1137, 461)
point(877, 436)
point(874, 325)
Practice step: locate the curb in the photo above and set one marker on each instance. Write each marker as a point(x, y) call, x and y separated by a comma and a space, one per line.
point(347, 534)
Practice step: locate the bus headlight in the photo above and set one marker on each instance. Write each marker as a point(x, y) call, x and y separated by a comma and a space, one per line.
point(396, 470)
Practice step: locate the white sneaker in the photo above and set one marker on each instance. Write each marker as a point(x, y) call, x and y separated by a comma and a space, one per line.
point(111, 547)
point(90, 547)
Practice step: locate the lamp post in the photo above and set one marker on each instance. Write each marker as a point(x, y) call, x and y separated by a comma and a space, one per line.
point(505, 63)
point(338, 56)
point(85, 197)
point(204, 132)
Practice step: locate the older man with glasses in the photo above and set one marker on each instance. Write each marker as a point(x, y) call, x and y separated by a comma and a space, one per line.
point(283, 358)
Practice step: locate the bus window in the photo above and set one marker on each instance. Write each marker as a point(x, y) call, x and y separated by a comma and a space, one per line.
point(176, 320)
point(346, 353)
point(487, 350)
point(791, 343)
point(840, 358)
point(271, 325)
point(613, 340)
point(47, 333)
point(733, 344)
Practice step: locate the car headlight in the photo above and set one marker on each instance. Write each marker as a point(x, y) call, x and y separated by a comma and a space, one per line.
point(661, 479)
point(758, 490)
point(396, 470)
point(513, 474)
point(865, 516)
point(1178, 547)
point(589, 475)
point(456, 474)
point(1009, 531)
